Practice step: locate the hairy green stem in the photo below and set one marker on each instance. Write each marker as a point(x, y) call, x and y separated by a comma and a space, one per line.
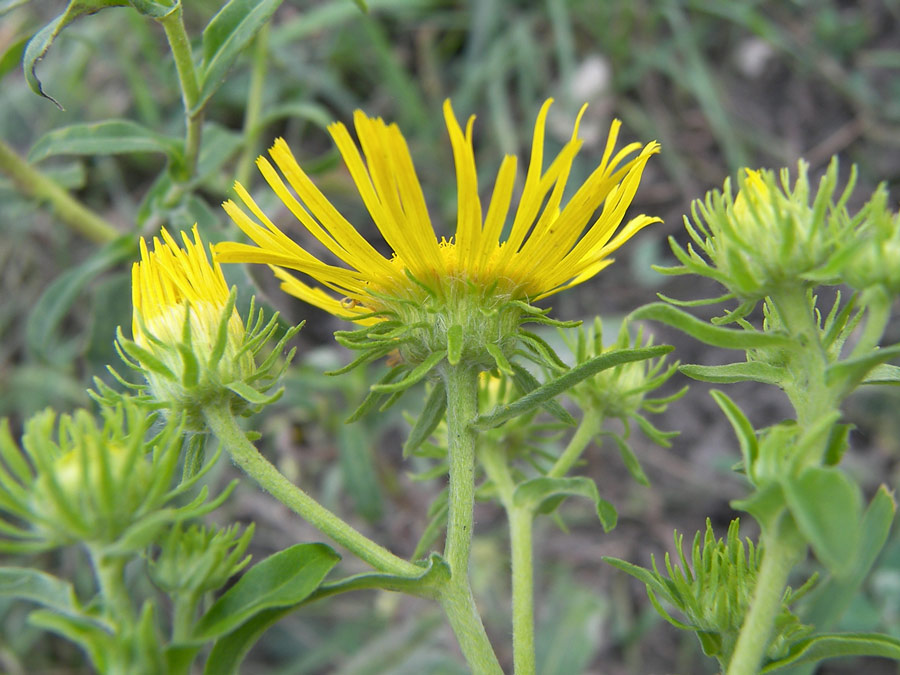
point(69, 210)
point(587, 429)
point(184, 610)
point(456, 598)
point(109, 571)
point(254, 105)
point(247, 457)
point(782, 545)
point(521, 520)
point(780, 553)
point(807, 391)
point(180, 44)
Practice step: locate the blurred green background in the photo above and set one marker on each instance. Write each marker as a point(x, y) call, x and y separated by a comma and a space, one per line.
point(721, 85)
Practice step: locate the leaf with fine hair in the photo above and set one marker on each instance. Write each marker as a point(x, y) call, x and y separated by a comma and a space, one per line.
point(834, 645)
point(225, 37)
point(716, 336)
point(40, 43)
point(283, 579)
point(564, 382)
point(544, 494)
point(428, 419)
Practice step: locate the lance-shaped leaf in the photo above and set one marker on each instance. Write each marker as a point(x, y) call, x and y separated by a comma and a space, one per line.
point(836, 645)
point(42, 329)
point(46, 590)
point(284, 578)
point(358, 470)
point(414, 376)
point(564, 382)
point(729, 338)
point(111, 137)
point(544, 494)
point(883, 374)
point(827, 508)
point(99, 644)
point(744, 431)
point(748, 371)
point(829, 599)
point(225, 37)
point(527, 383)
point(229, 651)
point(853, 371)
point(429, 418)
point(42, 40)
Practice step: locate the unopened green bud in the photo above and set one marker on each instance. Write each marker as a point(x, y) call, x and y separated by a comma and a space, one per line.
point(873, 257)
point(713, 589)
point(771, 235)
point(200, 559)
point(80, 480)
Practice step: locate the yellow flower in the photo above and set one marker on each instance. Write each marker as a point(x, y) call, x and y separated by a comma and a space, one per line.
point(189, 340)
point(169, 283)
point(550, 246)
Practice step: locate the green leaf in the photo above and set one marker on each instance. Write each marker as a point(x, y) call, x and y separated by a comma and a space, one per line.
point(827, 508)
point(251, 395)
point(828, 600)
point(751, 371)
point(643, 575)
point(296, 110)
point(219, 145)
point(284, 578)
point(229, 651)
point(414, 376)
point(630, 460)
point(225, 37)
point(42, 40)
point(454, 344)
point(9, 5)
point(836, 645)
point(155, 9)
point(112, 137)
point(716, 336)
point(499, 358)
point(544, 494)
point(883, 374)
point(564, 382)
point(42, 328)
point(766, 505)
point(12, 57)
point(526, 382)
point(744, 431)
point(100, 645)
point(358, 471)
point(429, 418)
point(853, 371)
point(26, 583)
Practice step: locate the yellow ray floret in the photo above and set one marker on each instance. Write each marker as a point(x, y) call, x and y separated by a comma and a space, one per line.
point(550, 246)
point(170, 281)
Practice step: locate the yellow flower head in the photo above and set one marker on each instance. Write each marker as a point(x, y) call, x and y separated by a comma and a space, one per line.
point(169, 283)
point(188, 338)
point(550, 246)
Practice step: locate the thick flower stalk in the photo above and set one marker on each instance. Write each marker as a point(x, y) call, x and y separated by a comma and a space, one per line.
point(461, 294)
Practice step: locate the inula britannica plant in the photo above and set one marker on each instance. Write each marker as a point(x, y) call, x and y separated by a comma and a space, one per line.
point(119, 519)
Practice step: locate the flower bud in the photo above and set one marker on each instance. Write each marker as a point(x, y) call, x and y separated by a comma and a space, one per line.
point(189, 341)
point(771, 235)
